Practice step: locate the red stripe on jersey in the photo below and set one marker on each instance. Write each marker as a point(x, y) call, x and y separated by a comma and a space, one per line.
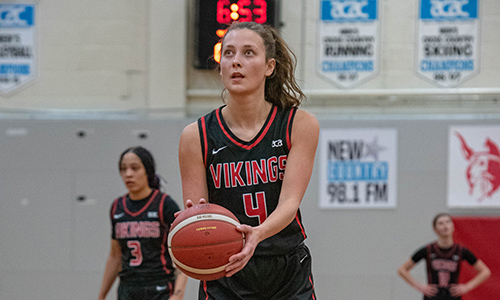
point(300, 225)
point(162, 222)
point(288, 133)
point(160, 213)
point(205, 145)
point(313, 294)
point(261, 136)
point(113, 208)
point(205, 289)
point(142, 209)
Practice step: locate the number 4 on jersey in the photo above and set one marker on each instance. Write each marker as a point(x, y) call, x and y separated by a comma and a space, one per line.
point(257, 208)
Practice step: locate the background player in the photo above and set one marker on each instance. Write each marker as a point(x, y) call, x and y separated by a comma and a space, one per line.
point(140, 223)
point(443, 259)
point(236, 156)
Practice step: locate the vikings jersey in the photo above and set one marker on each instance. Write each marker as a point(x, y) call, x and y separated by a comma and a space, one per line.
point(246, 176)
point(443, 265)
point(141, 228)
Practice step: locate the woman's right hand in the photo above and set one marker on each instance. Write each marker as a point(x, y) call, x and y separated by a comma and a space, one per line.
point(189, 204)
point(430, 290)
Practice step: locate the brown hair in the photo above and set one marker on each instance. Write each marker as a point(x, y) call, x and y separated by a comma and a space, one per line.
point(281, 88)
point(434, 221)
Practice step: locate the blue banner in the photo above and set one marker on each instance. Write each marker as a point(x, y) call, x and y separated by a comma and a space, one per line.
point(348, 10)
point(17, 15)
point(448, 9)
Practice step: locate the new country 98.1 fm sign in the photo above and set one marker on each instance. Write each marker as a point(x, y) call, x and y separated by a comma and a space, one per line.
point(17, 46)
point(448, 41)
point(348, 41)
point(357, 168)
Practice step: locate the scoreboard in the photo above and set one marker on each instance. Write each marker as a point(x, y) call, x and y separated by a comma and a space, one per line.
point(214, 16)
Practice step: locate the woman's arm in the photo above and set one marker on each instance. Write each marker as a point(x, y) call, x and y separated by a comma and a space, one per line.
point(404, 272)
point(194, 183)
point(179, 286)
point(299, 166)
point(113, 267)
point(483, 273)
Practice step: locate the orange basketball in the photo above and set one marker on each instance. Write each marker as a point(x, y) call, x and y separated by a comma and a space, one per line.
point(201, 240)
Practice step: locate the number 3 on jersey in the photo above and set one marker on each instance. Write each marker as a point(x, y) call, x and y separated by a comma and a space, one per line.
point(135, 252)
point(257, 208)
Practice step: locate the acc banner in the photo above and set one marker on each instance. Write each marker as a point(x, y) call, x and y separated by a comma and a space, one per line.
point(474, 166)
point(448, 41)
point(17, 46)
point(358, 168)
point(348, 41)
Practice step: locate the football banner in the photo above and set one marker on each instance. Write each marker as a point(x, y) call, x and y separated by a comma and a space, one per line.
point(474, 166)
point(357, 168)
point(348, 41)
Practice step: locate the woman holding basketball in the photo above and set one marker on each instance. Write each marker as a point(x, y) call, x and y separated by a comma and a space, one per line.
point(236, 157)
point(140, 223)
point(443, 259)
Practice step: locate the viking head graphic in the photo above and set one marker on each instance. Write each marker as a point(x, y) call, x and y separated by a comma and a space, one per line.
point(483, 171)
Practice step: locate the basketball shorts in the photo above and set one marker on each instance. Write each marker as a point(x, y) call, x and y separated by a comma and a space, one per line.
point(153, 291)
point(272, 277)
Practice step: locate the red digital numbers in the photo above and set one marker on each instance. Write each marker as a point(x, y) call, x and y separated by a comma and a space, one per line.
point(260, 11)
point(242, 11)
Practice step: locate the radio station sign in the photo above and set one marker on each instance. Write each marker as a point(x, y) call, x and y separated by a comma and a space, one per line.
point(348, 41)
point(448, 41)
point(17, 46)
point(358, 168)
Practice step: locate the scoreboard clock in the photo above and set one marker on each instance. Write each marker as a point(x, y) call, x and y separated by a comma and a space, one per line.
point(214, 16)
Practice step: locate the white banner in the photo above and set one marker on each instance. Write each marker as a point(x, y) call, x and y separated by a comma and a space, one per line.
point(358, 168)
point(448, 41)
point(474, 166)
point(348, 41)
point(17, 46)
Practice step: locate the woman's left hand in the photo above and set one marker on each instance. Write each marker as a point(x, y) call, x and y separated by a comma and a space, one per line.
point(240, 260)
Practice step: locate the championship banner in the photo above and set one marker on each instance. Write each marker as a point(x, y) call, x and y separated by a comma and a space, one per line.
point(480, 235)
point(358, 168)
point(18, 64)
point(474, 166)
point(348, 41)
point(448, 41)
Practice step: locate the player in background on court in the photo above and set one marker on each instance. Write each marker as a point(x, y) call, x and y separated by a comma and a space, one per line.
point(443, 259)
point(236, 156)
point(140, 223)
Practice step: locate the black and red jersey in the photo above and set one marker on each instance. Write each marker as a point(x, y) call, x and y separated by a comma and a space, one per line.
point(141, 228)
point(246, 176)
point(443, 265)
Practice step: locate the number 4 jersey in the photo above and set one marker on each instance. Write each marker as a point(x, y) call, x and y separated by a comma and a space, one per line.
point(246, 176)
point(141, 228)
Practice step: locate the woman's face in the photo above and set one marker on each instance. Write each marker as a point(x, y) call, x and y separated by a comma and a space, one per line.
point(133, 173)
point(444, 226)
point(243, 65)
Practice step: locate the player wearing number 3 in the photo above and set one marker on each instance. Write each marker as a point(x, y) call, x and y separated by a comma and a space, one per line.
point(254, 156)
point(140, 221)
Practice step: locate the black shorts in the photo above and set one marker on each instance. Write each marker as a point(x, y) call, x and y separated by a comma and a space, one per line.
point(272, 277)
point(153, 291)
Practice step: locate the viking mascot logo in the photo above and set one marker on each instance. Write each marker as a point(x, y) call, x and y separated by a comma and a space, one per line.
point(483, 170)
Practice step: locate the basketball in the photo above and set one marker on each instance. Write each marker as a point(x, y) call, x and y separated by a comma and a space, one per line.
point(201, 240)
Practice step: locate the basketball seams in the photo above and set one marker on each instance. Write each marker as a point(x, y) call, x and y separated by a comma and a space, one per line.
point(198, 218)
